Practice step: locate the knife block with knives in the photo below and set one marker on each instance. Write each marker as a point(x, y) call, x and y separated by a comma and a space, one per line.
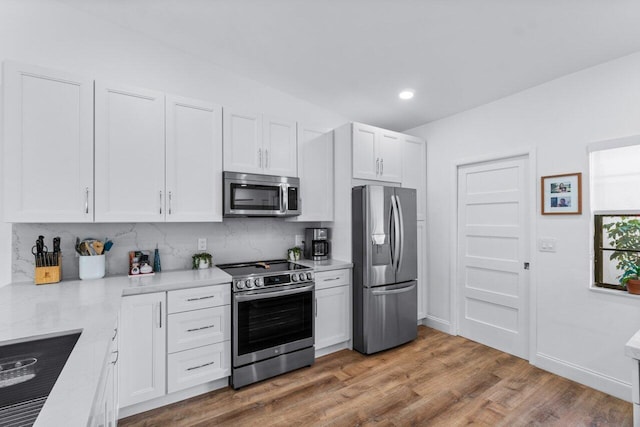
point(48, 265)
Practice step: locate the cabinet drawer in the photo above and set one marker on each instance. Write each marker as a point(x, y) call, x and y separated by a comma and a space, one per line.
point(198, 366)
point(329, 279)
point(197, 328)
point(195, 298)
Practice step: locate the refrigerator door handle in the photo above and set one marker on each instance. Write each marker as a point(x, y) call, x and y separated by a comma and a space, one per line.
point(396, 243)
point(394, 291)
point(401, 233)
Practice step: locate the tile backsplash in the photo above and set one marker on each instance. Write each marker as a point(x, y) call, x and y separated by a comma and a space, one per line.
point(234, 240)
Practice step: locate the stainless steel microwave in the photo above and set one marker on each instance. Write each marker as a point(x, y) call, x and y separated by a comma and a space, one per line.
point(260, 195)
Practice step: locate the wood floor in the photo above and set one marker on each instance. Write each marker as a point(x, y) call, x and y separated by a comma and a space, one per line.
point(438, 380)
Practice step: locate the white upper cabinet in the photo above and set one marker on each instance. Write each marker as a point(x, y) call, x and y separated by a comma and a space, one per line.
point(377, 154)
point(366, 164)
point(254, 143)
point(129, 154)
point(242, 141)
point(280, 147)
point(193, 160)
point(414, 174)
point(48, 145)
point(315, 168)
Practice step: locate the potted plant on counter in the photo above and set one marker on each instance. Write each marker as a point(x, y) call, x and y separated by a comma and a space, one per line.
point(201, 260)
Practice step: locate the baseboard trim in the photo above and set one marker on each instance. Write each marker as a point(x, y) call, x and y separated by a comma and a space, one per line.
point(437, 323)
point(582, 375)
point(172, 398)
point(333, 348)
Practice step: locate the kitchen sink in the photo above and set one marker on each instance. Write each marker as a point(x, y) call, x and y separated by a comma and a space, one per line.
point(28, 371)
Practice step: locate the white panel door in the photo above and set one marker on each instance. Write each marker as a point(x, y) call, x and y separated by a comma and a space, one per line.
point(142, 347)
point(414, 172)
point(315, 169)
point(48, 145)
point(194, 160)
point(129, 160)
point(242, 141)
point(366, 163)
point(280, 147)
point(390, 148)
point(493, 242)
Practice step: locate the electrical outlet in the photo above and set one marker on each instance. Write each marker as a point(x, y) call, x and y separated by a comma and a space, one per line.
point(202, 244)
point(299, 239)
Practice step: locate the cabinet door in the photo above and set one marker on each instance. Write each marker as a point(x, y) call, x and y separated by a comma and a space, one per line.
point(422, 270)
point(48, 145)
point(315, 169)
point(129, 161)
point(280, 147)
point(332, 316)
point(366, 163)
point(142, 348)
point(194, 160)
point(242, 141)
point(390, 153)
point(414, 171)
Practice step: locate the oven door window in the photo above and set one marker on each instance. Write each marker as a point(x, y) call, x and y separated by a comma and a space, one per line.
point(271, 322)
point(255, 197)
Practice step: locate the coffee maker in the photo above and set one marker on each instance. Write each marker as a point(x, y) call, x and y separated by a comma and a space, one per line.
point(316, 244)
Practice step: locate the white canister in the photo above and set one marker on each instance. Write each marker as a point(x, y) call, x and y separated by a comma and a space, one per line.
point(92, 267)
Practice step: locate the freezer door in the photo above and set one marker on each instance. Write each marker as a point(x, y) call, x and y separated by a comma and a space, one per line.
point(407, 252)
point(389, 317)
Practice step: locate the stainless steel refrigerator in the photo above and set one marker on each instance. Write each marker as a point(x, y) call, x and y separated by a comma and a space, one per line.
point(385, 267)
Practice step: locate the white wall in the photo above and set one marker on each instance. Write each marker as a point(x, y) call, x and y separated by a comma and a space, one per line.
point(51, 34)
point(580, 333)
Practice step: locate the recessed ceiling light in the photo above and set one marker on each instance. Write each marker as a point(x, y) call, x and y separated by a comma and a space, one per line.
point(406, 94)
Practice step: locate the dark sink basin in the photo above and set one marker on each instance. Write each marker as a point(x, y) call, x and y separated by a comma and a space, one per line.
point(28, 371)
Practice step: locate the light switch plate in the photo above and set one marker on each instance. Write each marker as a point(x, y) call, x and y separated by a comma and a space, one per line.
point(547, 244)
point(299, 238)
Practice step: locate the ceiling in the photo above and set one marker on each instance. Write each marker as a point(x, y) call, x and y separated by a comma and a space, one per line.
point(354, 56)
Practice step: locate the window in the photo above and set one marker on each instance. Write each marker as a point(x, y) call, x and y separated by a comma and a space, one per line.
point(617, 247)
point(615, 204)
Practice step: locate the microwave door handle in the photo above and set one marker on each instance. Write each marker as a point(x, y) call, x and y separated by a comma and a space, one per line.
point(284, 202)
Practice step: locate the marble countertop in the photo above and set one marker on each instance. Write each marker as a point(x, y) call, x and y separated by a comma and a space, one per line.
point(29, 311)
point(329, 264)
point(632, 348)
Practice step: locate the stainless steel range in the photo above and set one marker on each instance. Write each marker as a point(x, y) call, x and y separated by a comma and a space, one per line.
point(273, 319)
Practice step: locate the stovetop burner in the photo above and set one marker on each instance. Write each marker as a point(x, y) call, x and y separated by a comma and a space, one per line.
point(261, 268)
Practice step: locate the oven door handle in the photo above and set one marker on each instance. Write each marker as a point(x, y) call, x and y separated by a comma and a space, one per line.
point(263, 295)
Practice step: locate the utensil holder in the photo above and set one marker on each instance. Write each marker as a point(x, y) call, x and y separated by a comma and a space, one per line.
point(92, 267)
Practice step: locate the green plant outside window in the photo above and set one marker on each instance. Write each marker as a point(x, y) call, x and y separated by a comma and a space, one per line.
point(617, 250)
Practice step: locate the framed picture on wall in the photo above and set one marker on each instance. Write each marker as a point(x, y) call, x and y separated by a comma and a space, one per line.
point(562, 194)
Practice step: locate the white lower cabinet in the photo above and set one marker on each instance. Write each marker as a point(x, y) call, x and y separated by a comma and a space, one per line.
point(174, 340)
point(422, 270)
point(199, 334)
point(142, 348)
point(333, 307)
point(197, 366)
point(105, 405)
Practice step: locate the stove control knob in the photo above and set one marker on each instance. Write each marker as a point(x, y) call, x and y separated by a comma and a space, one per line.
point(240, 284)
point(309, 276)
point(259, 282)
point(249, 283)
point(294, 277)
point(302, 276)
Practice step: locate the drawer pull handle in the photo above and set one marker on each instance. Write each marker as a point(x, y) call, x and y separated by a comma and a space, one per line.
point(201, 328)
point(200, 298)
point(331, 279)
point(117, 353)
point(200, 366)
